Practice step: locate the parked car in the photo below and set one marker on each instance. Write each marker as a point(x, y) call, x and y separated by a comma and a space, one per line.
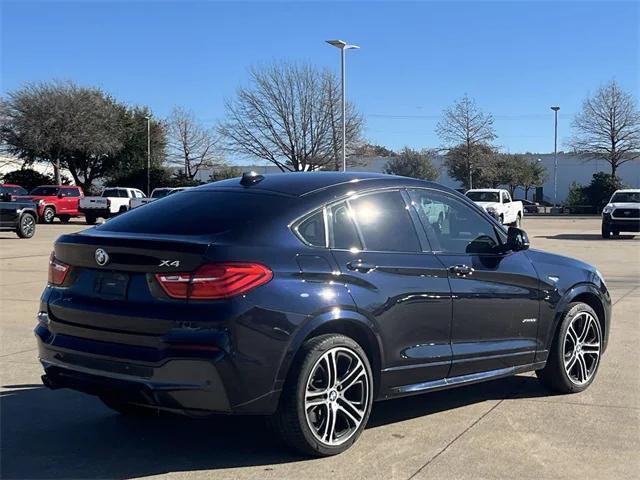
point(155, 195)
point(622, 213)
point(497, 202)
point(13, 190)
point(53, 201)
point(528, 205)
point(313, 296)
point(17, 215)
point(113, 201)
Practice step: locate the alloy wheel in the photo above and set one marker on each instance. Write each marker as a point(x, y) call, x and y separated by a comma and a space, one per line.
point(337, 396)
point(28, 225)
point(48, 215)
point(582, 348)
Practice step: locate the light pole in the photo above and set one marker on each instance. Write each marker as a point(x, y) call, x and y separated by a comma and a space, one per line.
point(342, 45)
point(148, 117)
point(555, 157)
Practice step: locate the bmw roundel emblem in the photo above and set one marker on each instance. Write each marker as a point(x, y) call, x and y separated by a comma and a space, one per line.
point(102, 257)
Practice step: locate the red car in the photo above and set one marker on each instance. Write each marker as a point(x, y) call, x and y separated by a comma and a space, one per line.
point(56, 201)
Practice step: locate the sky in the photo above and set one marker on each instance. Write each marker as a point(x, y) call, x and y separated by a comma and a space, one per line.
point(515, 58)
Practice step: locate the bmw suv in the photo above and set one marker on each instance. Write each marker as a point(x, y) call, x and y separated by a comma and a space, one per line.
point(306, 297)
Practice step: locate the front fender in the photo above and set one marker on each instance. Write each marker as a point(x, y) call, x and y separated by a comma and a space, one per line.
point(559, 305)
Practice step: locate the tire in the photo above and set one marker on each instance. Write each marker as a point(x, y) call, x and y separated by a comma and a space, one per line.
point(566, 371)
point(26, 225)
point(501, 219)
point(48, 215)
point(128, 409)
point(518, 222)
point(65, 218)
point(90, 220)
point(616, 233)
point(123, 209)
point(304, 428)
point(606, 233)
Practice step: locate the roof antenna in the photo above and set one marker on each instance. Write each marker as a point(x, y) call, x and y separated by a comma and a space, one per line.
point(251, 178)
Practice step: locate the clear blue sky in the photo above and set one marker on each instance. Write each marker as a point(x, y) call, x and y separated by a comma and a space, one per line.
point(515, 58)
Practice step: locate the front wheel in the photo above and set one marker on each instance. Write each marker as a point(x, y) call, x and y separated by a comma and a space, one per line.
point(575, 352)
point(26, 226)
point(606, 233)
point(327, 400)
point(48, 215)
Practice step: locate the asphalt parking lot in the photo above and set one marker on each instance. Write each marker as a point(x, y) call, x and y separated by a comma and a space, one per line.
point(509, 428)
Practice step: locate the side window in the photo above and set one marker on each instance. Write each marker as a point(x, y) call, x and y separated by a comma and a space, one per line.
point(311, 230)
point(505, 197)
point(452, 226)
point(343, 231)
point(385, 223)
point(71, 192)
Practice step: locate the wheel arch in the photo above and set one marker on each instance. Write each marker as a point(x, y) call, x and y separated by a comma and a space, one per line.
point(590, 295)
point(340, 321)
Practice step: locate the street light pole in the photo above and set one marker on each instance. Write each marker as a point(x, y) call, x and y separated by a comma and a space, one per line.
point(342, 45)
point(148, 117)
point(555, 157)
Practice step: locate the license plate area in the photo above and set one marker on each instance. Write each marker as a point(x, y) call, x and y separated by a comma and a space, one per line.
point(112, 284)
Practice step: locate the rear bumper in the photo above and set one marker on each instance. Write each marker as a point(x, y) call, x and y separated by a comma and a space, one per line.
point(193, 385)
point(96, 212)
point(631, 225)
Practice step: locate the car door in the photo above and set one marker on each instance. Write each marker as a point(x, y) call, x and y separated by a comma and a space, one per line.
point(396, 281)
point(509, 216)
point(5, 211)
point(495, 293)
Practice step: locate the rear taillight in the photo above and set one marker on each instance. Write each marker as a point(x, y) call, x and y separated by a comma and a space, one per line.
point(215, 281)
point(57, 270)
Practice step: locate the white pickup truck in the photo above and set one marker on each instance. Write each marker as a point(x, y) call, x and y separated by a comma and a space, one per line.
point(155, 195)
point(498, 203)
point(114, 200)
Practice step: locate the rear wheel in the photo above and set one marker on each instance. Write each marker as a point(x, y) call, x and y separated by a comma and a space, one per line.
point(65, 218)
point(326, 402)
point(501, 219)
point(575, 352)
point(518, 222)
point(48, 215)
point(26, 226)
point(90, 219)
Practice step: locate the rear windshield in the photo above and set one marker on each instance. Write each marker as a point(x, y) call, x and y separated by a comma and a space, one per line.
point(45, 191)
point(160, 193)
point(626, 197)
point(199, 212)
point(115, 192)
point(484, 196)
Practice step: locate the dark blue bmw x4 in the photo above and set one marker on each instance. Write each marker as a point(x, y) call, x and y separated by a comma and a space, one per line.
point(307, 297)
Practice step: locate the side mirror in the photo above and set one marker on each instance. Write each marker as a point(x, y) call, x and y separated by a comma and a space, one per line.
point(517, 239)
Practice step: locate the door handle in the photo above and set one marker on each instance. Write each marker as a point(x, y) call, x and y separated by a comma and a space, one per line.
point(461, 270)
point(360, 266)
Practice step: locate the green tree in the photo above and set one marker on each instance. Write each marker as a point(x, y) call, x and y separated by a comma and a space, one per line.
point(597, 193)
point(482, 173)
point(412, 163)
point(27, 178)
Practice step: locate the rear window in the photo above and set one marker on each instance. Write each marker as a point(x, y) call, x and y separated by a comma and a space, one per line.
point(198, 212)
point(115, 192)
point(484, 196)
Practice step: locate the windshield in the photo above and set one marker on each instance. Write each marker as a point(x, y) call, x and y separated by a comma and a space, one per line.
point(626, 197)
point(45, 191)
point(160, 192)
point(484, 196)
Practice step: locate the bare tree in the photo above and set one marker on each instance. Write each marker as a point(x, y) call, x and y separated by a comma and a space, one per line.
point(608, 127)
point(290, 116)
point(191, 144)
point(463, 129)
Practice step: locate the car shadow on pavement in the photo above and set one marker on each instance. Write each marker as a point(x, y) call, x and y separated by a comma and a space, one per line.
point(584, 236)
point(63, 434)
